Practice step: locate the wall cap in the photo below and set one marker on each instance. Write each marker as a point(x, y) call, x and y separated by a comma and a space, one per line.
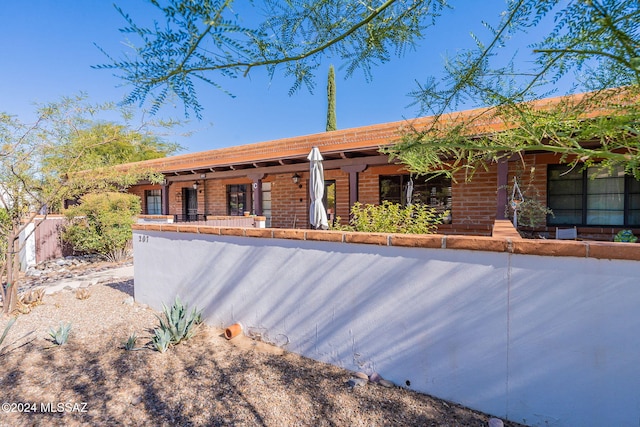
point(505, 241)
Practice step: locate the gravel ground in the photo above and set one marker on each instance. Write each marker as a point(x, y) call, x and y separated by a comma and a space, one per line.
point(207, 381)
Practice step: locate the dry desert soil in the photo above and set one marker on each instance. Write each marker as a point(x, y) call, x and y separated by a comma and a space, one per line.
point(205, 381)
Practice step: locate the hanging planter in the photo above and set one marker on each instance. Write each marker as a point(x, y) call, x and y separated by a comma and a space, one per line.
point(516, 201)
point(233, 331)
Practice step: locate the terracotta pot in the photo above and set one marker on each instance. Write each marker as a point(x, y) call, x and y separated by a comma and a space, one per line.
point(233, 331)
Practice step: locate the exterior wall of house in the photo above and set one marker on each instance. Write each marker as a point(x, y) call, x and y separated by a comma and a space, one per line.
point(369, 183)
point(474, 202)
point(289, 201)
point(215, 197)
point(139, 190)
point(175, 196)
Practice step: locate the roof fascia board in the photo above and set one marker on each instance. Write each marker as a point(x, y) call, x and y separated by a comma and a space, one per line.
point(299, 167)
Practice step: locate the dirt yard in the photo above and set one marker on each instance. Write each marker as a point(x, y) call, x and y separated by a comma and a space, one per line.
point(207, 381)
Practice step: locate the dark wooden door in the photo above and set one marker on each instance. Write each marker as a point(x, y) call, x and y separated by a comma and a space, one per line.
point(190, 204)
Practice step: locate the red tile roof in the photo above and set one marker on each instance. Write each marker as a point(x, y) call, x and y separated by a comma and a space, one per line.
point(340, 141)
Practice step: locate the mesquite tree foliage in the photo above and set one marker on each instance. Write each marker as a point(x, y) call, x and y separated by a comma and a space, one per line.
point(207, 41)
point(594, 43)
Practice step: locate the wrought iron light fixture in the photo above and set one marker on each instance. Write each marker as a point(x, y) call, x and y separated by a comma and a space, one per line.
point(295, 178)
point(195, 185)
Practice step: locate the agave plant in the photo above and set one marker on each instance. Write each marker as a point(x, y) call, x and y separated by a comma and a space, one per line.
point(178, 322)
point(6, 329)
point(33, 297)
point(60, 335)
point(82, 293)
point(161, 339)
point(131, 342)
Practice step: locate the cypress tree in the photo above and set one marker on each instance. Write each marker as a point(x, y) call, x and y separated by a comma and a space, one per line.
point(331, 98)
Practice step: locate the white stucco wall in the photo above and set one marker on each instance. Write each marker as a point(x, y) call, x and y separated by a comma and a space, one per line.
point(27, 243)
point(539, 340)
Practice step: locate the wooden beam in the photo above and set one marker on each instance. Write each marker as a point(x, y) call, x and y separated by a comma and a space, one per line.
point(356, 163)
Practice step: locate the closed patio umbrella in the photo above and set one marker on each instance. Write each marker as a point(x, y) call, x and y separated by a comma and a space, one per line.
point(409, 193)
point(317, 213)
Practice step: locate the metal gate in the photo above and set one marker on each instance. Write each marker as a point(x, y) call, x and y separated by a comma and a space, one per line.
point(190, 204)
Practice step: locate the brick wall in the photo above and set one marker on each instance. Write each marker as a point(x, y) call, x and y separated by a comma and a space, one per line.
point(290, 202)
point(474, 202)
point(139, 191)
point(215, 197)
point(175, 196)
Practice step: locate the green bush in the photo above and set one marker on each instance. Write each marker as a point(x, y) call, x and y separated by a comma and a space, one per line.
point(101, 224)
point(394, 218)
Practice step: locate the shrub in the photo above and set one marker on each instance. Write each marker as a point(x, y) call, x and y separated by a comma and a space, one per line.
point(101, 224)
point(394, 218)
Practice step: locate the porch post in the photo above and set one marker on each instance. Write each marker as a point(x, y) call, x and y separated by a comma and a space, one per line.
point(503, 178)
point(353, 171)
point(165, 198)
point(257, 192)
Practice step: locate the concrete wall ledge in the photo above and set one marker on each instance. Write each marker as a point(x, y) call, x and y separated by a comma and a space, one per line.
point(499, 243)
point(163, 219)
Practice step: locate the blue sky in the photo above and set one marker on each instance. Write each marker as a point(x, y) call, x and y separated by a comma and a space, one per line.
point(47, 50)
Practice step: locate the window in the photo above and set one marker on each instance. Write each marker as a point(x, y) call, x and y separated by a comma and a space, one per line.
point(236, 199)
point(592, 196)
point(432, 191)
point(153, 201)
point(266, 202)
point(329, 200)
